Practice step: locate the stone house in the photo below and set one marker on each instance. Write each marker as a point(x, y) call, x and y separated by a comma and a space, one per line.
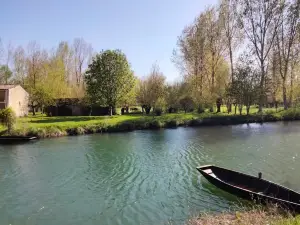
point(16, 97)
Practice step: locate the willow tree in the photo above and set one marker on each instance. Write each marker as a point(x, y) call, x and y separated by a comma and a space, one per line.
point(151, 89)
point(109, 78)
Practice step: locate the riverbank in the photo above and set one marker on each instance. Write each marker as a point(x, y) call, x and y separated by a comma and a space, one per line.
point(252, 217)
point(44, 127)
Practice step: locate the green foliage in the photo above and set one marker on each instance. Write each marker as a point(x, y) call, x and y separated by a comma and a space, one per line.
point(159, 106)
point(187, 104)
point(200, 109)
point(42, 126)
point(109, 78)
point(5, 74)
point(290, 114)
point(174, 93)
point(245, 87)
point(151, 90)
point(8, 118)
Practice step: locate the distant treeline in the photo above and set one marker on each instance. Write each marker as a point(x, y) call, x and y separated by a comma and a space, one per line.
point(238, 53)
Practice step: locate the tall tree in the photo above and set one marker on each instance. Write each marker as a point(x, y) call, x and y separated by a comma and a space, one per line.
point(109, 78)
point(285, 41)
point(34, 65)
point(19, 60)
point(82, 51)
point(65, 53)
point(261, 20)
point(231, 25)
point(215, 45)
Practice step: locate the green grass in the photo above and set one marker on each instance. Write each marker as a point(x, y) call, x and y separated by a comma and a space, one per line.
point(43, 126)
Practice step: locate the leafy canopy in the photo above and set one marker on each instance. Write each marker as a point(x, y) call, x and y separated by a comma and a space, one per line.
point(109, 78)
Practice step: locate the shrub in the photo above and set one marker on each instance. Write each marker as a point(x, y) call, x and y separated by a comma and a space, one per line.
point(55, 132)
point(291, 114)
point(71, 131)
point(126, 126)
point(187, 104)
point(8, 118)
point(172, 124)
point(195, 122)
point(156, 124)
point(141, 124)
point(200, 109)
point(158, 111)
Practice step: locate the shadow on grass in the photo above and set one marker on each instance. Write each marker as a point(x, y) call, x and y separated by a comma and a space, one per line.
point(67, 119)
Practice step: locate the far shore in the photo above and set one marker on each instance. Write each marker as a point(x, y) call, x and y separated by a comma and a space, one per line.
point(45, 127)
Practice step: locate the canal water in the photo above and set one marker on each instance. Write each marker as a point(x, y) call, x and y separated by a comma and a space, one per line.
point(141, 177)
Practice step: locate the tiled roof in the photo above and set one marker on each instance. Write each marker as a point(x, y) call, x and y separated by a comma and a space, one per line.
point(6, 86)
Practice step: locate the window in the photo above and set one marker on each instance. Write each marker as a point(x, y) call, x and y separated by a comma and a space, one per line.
point(2, 95)
point(2, 105)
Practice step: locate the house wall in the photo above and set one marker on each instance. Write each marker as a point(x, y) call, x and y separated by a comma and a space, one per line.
point(18, 101)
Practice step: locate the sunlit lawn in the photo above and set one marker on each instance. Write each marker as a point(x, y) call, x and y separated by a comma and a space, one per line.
point(40, 121)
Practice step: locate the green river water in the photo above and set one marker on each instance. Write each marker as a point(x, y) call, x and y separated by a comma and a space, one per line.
point(142, 177)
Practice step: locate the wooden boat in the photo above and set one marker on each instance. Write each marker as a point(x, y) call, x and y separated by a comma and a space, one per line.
point(15, 139)
point(251, 188)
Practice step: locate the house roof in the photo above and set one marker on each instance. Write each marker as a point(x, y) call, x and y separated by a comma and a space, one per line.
point(6, 86)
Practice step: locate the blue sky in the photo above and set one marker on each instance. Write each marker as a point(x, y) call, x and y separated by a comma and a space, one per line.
point(145, 30)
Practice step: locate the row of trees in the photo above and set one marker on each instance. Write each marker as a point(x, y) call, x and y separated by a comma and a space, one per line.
point(46, 74)
point(209, 51)
point(239, 52)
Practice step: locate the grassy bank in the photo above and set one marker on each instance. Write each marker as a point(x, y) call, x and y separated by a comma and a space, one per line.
point(252, 217)
point(42, 126)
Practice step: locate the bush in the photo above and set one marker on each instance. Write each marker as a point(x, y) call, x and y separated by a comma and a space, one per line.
point(8, 118)
point(126, 126)
point(172, 124)
point(158, 111)
point(200, 109)
point(71, 131)
point(156, 124)
point(195, 122)
point(159, 106)
point(291, 114)
point(187, 104)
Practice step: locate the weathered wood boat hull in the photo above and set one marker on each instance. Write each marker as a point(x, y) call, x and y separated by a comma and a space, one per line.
point(259, 190)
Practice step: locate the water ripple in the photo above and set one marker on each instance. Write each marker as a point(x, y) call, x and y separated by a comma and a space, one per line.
point(143, 177)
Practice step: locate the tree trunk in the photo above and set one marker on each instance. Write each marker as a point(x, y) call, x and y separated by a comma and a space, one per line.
point(33, 110)
point(110, 110)
point(218, 108)
point(143, 108)
point(292, 86)
point(284, 94)
point(229, 107)
point(248, 109)
point(261, 87)
point(231, 61)
point(147, 109)
point(235, 107)
point(240, 109)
